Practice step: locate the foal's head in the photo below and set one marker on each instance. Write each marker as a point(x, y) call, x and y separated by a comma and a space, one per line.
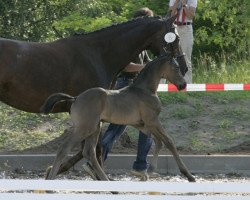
point(171, 71)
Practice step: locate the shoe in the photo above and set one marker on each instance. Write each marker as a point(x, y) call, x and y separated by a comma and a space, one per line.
point(90, 171)
point(142, 174)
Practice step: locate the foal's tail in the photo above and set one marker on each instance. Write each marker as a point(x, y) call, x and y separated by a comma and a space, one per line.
point(53, 99)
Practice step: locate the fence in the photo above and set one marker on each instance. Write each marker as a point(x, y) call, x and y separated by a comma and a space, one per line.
point(204, 87)
point(92, 190)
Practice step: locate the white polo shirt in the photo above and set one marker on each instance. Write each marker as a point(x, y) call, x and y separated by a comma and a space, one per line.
point(190, 3)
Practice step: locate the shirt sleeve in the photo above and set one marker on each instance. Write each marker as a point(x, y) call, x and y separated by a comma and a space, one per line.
point(193, 3)
point(171, 3)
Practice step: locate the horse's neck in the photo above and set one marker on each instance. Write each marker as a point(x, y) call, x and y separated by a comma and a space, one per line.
point(120, 44)
point(127, 42)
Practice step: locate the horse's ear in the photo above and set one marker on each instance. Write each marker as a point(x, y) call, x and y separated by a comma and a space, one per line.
point(170, 20)
point(168, 15)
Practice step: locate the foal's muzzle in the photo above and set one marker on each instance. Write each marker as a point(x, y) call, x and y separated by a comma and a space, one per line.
point(182, 86)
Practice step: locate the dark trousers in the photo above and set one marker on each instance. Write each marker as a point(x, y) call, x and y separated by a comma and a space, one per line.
point(114, 131)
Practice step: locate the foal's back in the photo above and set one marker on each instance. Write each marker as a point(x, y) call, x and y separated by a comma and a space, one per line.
point(124, 106)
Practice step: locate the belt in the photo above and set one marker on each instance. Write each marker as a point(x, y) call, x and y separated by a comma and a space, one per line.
point(183, 23)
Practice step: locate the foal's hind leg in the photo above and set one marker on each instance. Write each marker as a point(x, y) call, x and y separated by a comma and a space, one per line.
point(89, 152)
point(153, 164)
point(65, 166)
point(63, 152)
point(158, 131)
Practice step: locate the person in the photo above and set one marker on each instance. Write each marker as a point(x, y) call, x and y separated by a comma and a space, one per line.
point(114, 131)
point(184, 22)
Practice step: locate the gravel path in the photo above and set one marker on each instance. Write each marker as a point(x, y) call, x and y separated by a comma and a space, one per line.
point(80, 175)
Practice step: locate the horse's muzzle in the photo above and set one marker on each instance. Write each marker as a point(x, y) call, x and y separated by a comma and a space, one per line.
point(182, 86)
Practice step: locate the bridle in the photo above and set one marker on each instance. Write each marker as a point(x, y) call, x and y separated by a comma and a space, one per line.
point(167, 51)
point(170, 50)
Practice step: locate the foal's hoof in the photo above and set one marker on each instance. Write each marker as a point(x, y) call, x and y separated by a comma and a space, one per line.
point(191, 179)
point(144, 178)
point(47, 172)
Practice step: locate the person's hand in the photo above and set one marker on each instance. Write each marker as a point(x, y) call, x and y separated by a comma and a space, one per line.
point(184, 2)
point(176, 3)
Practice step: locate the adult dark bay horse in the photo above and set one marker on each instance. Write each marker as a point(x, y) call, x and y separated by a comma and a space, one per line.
point(137, 105)
point(30, 72)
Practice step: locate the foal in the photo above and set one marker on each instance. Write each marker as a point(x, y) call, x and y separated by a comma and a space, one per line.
point(137, 105)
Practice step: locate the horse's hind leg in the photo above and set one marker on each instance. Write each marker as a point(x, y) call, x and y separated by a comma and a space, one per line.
point(89, 152)
point(153, 164)
point(157, 130)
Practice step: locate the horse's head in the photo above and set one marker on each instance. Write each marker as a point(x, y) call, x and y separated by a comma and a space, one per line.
point(167, 40)
point(172, 72)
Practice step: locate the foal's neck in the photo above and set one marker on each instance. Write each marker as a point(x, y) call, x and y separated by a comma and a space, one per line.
point(149, 78)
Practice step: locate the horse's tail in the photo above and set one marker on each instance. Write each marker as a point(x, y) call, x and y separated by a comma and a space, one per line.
point(53, 99)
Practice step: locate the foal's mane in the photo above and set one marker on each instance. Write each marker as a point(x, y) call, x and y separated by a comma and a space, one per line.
point(131, 22)
point(148, 67)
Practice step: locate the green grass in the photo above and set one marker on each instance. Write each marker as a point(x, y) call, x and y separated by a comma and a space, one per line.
point(206, 70)
point(20, 130)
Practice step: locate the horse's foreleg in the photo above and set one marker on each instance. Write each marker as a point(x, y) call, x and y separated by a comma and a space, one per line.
point(158, 131)
point(153, 164)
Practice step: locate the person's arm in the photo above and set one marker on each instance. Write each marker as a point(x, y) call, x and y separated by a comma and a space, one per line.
point(173, 8)
point(189, 10)
point(133, 67)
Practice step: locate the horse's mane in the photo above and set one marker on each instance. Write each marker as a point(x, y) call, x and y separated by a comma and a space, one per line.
point(121, 24)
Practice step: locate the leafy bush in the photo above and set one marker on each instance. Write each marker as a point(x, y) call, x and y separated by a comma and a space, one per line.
point(222, 27)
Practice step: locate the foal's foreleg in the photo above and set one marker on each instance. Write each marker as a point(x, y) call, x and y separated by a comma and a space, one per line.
point(158, 131)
